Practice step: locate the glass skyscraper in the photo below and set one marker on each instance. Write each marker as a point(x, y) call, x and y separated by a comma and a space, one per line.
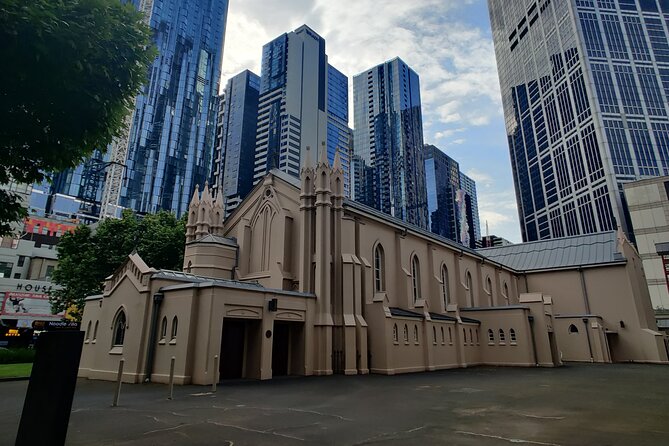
point(339, 134)
point(172, 129)
point(451, 199)
point(585, 88)
point(171, 140)
point(234, 154)
point(388, 142)
point(292, 110)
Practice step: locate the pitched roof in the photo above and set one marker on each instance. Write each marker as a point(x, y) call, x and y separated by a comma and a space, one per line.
point(580, 250)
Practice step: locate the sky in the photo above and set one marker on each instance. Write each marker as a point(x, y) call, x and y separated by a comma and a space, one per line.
point(447, 42)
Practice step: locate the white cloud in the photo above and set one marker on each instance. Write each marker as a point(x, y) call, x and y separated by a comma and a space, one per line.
point(481, 178)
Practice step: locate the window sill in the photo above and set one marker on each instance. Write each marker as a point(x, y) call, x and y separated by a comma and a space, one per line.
point(491, 343)
point(173, 342)
point(379, 296)
point(502, 343)
point(116, 350)
point(514, 343)
point(87, 341)
point(162, 342)
point(396, 343)
point(94, 341)
point(419, 303)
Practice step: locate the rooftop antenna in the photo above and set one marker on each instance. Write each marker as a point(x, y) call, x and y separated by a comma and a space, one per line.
point(487, 230)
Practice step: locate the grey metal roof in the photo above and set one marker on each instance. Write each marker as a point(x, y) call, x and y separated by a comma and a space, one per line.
point(389, 218)
point(470, 320)
point(216, 239)
point(191, 280)
point(581, 250)
point(442, 317)
point(400, 312)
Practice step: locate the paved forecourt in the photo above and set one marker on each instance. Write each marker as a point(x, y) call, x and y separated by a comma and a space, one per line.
point(573, 405)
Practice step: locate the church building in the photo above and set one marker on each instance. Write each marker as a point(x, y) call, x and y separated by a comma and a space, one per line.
point(300, 281)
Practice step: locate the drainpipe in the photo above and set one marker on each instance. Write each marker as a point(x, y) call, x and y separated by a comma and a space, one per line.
point(584, 289)
point(534, 341)
point(587, 335)
point(151, 351)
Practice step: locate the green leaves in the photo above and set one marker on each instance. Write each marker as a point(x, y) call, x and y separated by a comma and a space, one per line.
point(86, 258)
point(72, 67)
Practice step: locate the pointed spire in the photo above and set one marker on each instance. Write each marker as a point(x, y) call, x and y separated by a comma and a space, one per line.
point(307, 158)
point(196, 196)
point(219, 200)
point(206, 196)
point(323, 155)
point(337, 161)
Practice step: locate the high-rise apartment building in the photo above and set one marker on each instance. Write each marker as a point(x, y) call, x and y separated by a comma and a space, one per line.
point(585, 88)
point(388, 142)
point(451, 199)
point(292, 110)
point(234, 155)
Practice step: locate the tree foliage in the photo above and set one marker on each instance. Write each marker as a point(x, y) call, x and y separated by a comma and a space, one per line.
point(86, 257)
point(71, 71)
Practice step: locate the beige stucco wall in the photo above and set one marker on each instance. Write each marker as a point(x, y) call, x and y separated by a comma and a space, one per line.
point(316, 257)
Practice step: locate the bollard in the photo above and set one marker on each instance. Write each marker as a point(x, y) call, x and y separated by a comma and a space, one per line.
point(172, 377)
point(214, 380)
point(119, 379)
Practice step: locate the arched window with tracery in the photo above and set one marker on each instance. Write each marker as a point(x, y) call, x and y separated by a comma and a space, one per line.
point(505, 292)
point(95, 331)
point(488, 289)
point(395, 334)
point(119, 329)
point(406, 333)
point(415, 278)
point(379, 269)
point(491, 336)
point(88, 330)
point(444, 285)
point(502, 337)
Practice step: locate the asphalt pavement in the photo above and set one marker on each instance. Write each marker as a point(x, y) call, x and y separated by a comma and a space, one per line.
point(621, 404)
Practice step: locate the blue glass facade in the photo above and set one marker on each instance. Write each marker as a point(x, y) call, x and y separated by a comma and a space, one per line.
point(339, 134)
point(584, 88)
point(451, 199)
point(74, 193)
point(171, 139)
point(388, 141)
point(236, 138)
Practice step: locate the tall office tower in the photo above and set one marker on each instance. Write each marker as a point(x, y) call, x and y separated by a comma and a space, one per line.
point(388, 139)
point(585, 87)
point(234, 155)
point(171, 138)
point(338, 132)
point(469, 211)
point(451, 198)
point(292, 113)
